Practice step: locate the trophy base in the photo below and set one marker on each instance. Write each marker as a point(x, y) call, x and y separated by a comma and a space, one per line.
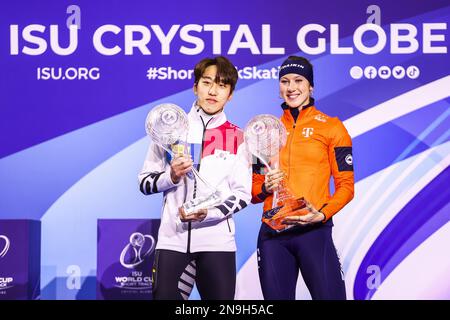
point(274, 217)
point(204, 202)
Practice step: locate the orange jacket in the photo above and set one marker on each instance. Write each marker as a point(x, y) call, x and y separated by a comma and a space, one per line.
point(317, 148)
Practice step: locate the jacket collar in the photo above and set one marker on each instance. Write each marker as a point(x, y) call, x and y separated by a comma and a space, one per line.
point(214, 122)
point(292, 114)
point(310, 104)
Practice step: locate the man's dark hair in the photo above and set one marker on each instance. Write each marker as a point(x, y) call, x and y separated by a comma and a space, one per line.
point(226, 71)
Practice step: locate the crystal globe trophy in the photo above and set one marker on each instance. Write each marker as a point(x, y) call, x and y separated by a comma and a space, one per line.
point(265, 135)
point(167, 125)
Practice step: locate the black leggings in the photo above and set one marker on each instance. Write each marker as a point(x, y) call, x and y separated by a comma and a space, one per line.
point(174, 274)
point(306, 249)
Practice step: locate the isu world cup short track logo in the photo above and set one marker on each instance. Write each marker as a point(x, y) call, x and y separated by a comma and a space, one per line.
point(134, 253)
point(5, 249)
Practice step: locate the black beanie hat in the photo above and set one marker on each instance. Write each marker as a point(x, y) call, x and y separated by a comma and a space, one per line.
point(299, 67)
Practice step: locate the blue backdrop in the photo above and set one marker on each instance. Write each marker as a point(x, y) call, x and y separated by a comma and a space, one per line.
point(78, 79)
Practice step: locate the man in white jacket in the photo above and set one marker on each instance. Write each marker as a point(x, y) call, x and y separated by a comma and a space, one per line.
point(200, 247)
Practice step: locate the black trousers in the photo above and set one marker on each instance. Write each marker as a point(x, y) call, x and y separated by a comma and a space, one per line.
point(174, 274)
point(306, 249)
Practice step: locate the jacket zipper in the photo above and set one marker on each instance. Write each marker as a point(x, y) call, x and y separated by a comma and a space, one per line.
point(290, 144)
point(292, 136)
point(203, 140)
point(195, 182)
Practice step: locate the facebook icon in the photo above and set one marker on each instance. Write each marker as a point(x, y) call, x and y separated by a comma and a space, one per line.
point(370, 72)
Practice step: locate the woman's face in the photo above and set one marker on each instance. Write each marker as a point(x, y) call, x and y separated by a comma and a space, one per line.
point(295, 90)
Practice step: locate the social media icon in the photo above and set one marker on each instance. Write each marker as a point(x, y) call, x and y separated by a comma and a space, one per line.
point(384, 72)
point(398, 72)
point(356, 72)
point(413, 72)
point(370, 72)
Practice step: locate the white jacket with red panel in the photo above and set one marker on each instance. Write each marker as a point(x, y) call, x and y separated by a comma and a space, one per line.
point(224, 163)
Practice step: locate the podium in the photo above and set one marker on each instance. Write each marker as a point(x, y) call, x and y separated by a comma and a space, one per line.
point(20, 259)
point(125, 254)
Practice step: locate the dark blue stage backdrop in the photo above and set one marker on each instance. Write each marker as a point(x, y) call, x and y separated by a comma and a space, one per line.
point(79, 77)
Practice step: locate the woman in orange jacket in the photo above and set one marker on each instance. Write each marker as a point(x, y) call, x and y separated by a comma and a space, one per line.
point(317, 148)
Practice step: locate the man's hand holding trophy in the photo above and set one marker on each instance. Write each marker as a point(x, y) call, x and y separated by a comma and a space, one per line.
point(168, 126)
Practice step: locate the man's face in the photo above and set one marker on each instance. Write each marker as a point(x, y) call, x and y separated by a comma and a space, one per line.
point(211, 96)
point(295, 90)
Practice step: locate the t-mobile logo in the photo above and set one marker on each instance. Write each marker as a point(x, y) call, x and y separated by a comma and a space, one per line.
point(307, 132)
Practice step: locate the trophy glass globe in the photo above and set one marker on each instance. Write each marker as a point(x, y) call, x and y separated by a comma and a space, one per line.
point(166, 124)
point(264, 136)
